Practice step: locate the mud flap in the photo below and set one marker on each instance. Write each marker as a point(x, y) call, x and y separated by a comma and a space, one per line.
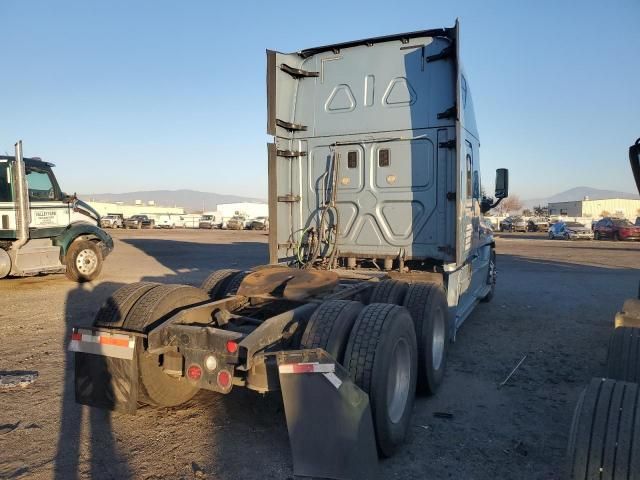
point(107, 382)
point(328, 417)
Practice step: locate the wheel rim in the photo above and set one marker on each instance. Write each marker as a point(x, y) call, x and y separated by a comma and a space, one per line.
point(437, 342)
point(87, 261)
point(399, 380)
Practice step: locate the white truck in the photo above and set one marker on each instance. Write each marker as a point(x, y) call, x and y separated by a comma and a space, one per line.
point(43, 230)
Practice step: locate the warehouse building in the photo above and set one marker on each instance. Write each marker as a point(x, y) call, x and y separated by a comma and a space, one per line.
point(587, 208)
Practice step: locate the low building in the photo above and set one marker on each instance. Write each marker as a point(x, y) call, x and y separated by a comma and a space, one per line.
point(118, 208)
point(247, 209)
point(615, 207)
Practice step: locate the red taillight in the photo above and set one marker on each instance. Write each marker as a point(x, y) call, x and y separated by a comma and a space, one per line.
point(76, 336)
point(232, 347)
point(224, 379)
point(194, 372)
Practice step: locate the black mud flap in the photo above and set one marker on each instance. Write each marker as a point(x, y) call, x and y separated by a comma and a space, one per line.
point(107, 382)
point(328, 417)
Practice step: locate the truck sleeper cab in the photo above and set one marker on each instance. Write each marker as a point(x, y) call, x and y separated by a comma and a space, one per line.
point(43, 230)
point(377, 253)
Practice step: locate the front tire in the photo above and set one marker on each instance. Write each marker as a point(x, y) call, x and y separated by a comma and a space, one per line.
point(381, 358)
point(492, 276)
point(83, 260)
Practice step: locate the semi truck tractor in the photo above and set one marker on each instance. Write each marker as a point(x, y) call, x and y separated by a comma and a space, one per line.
point(378, 252)
point(604, 440)
point(43, 230)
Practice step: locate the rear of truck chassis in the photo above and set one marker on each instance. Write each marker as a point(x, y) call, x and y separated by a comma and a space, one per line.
point(352, 314)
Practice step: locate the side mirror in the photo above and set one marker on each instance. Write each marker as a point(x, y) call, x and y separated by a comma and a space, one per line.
point(486, 204)
point(502, 183)
point(634, 158)
point(66, 198)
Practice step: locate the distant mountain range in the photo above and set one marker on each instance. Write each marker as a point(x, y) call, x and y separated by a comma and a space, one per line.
point(578, 193)
point(190, 200)
point(195, 201)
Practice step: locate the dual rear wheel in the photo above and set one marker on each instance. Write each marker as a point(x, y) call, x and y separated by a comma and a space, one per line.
point(139, 307)
point(390, 347)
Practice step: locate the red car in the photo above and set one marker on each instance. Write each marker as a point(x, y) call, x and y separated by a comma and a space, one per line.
point(616, 229)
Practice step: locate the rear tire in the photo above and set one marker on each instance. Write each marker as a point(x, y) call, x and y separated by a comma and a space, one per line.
point(427, 304)
point(604, 431)
point(217, 281)
point(389, 291)
point(83, 261)
point(115, 309)
point(623, 357)
point(155, 386)
point(329, 327)
point(234, 283)
point(381, 358)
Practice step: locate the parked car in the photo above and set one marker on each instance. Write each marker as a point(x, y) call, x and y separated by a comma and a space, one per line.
point(513, 224)
point(538, 224)
point(139, 221)
point(111, 221)
point(570, 231)
point(259, 223)
point(169, 221)
point(505, 225)
point(236, 223)
point(616, 229)
point(209, 221)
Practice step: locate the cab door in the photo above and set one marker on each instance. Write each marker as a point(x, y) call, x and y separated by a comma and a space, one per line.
point(49, 214)
point(7, 205)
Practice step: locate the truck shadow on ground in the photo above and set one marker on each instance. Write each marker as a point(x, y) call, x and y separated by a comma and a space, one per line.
point(106, 461)
point(88, 445)
point(192, 262)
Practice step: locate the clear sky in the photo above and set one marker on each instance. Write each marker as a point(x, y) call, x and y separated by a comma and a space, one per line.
point(136, 95)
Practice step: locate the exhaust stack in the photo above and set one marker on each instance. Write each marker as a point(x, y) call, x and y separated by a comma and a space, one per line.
point(23, 215)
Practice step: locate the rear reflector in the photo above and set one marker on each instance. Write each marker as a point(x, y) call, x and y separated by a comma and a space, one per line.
point(99, 342)
point(326, 369)
point(194, 372)
point(313, 367)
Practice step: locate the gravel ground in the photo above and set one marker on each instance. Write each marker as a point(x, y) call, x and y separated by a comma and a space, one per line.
point(555, 304)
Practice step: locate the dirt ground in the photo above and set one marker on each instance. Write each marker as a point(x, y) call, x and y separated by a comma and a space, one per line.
point(555, 304)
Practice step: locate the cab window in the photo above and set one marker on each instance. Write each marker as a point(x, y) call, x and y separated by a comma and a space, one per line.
point(5, 182)
point(41, 187)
